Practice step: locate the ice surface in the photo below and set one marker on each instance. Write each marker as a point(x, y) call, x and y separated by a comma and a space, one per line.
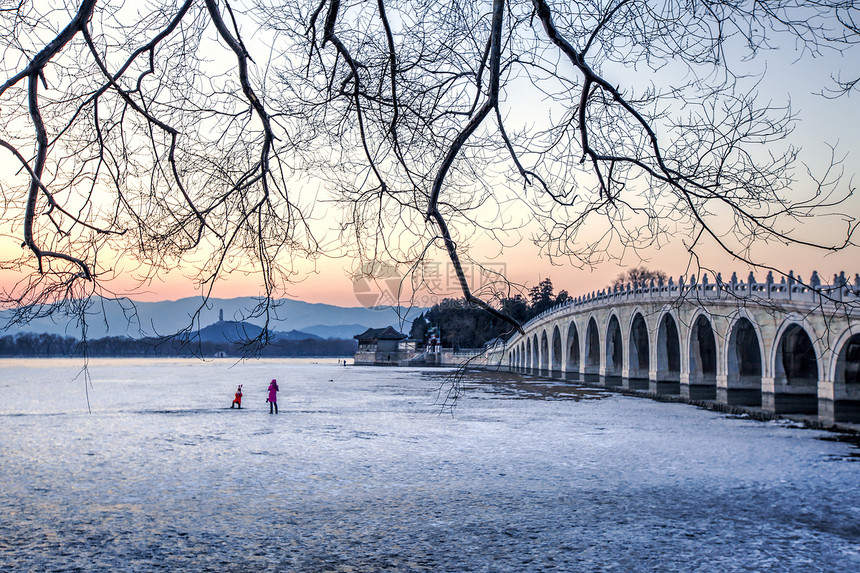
point(362, 471)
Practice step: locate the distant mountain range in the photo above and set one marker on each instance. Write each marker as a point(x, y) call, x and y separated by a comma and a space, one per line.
point(124, 317)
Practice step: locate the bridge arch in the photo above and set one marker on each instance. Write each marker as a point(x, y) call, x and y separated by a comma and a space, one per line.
point(592, 347)
point(702, 358)
point(544, 352)
point(845, 373)
point(639, 352)
point(556, 352)
point(667, 355)
point(614, 358)
point(535, 353)
point(572, 365)
point(744, 362)
point(796, 367)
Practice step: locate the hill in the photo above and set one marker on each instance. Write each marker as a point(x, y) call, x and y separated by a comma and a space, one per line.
point(229, 331)
point(235, 331)
point(342, 331)
point(296, 335)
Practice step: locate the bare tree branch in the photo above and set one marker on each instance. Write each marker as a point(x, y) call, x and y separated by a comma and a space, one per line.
point(217, 136)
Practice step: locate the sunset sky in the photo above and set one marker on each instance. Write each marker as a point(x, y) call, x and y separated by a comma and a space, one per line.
point(823, 122)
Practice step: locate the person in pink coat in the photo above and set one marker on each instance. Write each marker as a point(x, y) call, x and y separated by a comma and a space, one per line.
point(273, 397)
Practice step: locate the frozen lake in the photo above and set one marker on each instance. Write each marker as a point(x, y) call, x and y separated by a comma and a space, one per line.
point(361, 472)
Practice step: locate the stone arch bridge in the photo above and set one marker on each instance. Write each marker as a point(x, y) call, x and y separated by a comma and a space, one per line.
point(787, 348)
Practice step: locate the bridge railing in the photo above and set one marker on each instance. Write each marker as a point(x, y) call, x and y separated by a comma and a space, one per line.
point(467, 352)
point(788, 289)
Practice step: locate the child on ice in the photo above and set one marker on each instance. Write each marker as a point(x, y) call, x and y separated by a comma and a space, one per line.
point(237, 401)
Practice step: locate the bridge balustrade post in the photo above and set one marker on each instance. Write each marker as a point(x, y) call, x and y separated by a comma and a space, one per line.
point(840, 283)
point(791, 282)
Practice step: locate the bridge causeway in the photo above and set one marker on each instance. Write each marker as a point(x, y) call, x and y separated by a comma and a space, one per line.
point(785, 347)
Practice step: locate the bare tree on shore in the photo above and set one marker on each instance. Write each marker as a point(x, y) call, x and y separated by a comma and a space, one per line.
point(637, 276)
point(181, 133)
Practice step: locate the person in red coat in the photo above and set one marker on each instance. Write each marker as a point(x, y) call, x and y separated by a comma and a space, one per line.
point(237, 401)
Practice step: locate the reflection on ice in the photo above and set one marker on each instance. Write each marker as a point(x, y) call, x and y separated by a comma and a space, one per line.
point(360, 472)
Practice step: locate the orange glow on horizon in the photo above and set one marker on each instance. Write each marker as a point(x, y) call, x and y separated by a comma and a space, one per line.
point(331, 284)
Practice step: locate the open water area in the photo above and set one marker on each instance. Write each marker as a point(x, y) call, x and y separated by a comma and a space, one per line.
point(363, 470)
